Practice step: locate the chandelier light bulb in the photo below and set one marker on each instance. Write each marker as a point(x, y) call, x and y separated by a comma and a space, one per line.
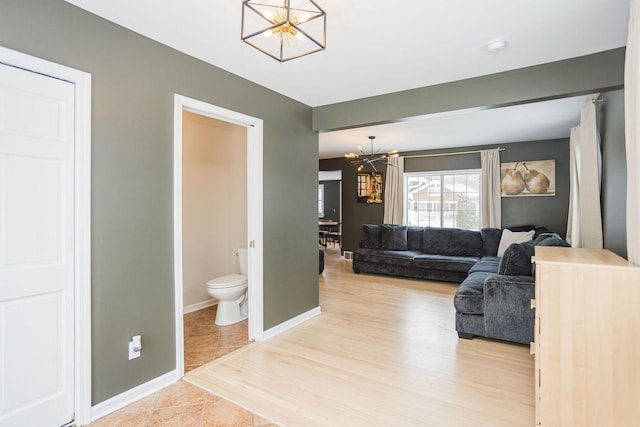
point(304, 17)
point(269, 15)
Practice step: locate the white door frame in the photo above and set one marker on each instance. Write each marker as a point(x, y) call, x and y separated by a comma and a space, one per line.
point(82, 220)
point(254, 214)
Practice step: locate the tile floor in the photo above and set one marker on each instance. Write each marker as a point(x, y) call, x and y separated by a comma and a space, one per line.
point(182, 404)
point(204, 341)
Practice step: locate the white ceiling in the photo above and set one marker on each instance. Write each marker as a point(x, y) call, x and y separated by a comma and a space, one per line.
point(376, 47)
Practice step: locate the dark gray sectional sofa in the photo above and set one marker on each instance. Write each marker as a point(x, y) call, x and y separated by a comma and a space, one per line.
point(493, 299)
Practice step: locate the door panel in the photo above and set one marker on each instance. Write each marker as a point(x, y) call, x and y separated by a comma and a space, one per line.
point(36, 249)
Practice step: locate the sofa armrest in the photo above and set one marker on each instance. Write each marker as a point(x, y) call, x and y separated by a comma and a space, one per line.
point(507, 307)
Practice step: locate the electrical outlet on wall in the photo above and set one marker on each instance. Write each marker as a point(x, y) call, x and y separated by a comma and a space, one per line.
point(135, 347)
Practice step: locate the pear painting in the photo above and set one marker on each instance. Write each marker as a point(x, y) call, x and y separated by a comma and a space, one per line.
point(512, 182)
point(528, 178)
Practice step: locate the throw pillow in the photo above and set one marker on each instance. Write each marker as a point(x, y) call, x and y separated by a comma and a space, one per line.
point(372, 236)
point(516, 260)
point(394, 237)
point(510, 237)
point(414, 238)
point(490, 240)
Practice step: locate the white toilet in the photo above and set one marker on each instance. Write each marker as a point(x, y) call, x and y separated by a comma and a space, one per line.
point(231, 293)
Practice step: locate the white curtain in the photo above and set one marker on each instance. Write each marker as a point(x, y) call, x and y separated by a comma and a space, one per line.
point(632, 132)
point(491, 202)
point(584, 224)
point(394, 191)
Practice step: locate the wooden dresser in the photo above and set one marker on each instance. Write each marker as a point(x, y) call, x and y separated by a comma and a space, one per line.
point(587, 338)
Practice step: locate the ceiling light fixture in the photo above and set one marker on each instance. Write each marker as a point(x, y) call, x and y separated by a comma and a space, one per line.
point(363, 158)
point(496, 45)
point(284, 29)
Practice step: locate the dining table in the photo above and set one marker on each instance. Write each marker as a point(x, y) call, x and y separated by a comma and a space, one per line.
point(325, 227)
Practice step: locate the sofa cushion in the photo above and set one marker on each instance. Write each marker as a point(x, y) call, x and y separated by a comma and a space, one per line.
point(551, 239)
point(490, 240)
point(519, 228)
point(414, 238)
point(444, 262)
point(394, 237)
point(510, 237)
point(372, 235)
point(385, 257)
point(548, 239)
point(516, 260)
point(452, 241)
point(488, 264)
point(469, 298)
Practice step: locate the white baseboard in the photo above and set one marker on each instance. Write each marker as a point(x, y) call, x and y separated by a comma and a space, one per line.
point(278, 329)
point(199, 306)
point(132, 395)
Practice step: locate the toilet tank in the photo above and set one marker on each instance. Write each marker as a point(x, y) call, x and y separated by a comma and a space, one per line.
point(242, 259)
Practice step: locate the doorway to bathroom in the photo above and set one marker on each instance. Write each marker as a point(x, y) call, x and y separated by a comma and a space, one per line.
point(217, 210)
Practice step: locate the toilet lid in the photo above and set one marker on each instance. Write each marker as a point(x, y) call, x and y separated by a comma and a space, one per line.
point(227, 281)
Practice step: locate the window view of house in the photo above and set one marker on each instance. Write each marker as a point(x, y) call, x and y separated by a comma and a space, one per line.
point(443, 199)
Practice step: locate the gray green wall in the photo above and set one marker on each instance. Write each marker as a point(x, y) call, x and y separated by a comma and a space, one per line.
point(599, 72)
point(332, 199)
point(614, 172)
point(134, 82)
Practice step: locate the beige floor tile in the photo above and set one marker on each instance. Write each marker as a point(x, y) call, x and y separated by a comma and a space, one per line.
point(200, 329)
point(119, 419)
point(199, 358)
point(240, 328)
point(201, 341)
point(145, 404)
point(189, 368)
point(180, 394)
point(219, 412)
point(180, 416)
point(232, 341)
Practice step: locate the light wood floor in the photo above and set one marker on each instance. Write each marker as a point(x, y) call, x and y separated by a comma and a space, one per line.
point(383, 352)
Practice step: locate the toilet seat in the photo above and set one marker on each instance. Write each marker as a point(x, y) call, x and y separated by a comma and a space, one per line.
point(228, 281)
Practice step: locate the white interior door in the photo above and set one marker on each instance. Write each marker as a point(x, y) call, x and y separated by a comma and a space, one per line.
point(36, 249)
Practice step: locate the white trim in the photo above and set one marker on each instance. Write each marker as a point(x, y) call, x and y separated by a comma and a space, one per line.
point(199, 306)
point(291, 323)
point(132, 395)
point(82, 222)
point(254, 214)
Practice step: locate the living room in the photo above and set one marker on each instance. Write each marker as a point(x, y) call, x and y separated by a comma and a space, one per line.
point(135, 76)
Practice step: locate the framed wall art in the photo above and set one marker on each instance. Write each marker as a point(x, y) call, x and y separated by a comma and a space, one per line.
point(528, 178)
point(370, 187)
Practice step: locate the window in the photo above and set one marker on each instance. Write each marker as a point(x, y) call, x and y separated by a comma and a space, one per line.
point(443, 199)
point(320, 200)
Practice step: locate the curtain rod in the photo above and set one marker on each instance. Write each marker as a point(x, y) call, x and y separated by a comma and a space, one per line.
point(448, 154)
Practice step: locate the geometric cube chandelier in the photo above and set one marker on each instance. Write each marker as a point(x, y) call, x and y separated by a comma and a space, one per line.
point(284, 29)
